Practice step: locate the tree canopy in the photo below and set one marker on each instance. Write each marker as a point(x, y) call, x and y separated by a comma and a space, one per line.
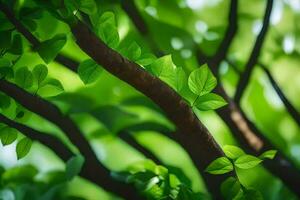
point(149, 99)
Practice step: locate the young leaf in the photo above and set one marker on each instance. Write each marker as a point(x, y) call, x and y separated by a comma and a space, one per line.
point(268, 154)
point(73, 166)
point(201, 81)
point(230, 188)
point(23, 147)
point(247, 161)
point(89, 71)
point(209, 101)
point(163, 67)
point(8, 136)
point(233, 152)
point(146, 59)
point(24, 77)
point(50, 48)
point(180, 79)
point(134, 51)
point(4, 101)
point(108, 17)
point(51, 87)
point(221, 165)
point(107, 30)
point(40, 72)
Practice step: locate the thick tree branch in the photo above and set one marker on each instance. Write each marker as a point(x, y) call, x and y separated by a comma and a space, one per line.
point(290, 108)
point(247, 134)
point(245, 77)
point(50, 141)
point(194, 136)
point(93, 170)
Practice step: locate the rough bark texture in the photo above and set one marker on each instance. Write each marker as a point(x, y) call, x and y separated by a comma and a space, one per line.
point(194, 137)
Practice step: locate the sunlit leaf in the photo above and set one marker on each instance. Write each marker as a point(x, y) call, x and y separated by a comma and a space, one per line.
point(221, 165)
point(247, 162)
point(233, 152)
point(268, 154)
point(210, 101)
point(201, 81)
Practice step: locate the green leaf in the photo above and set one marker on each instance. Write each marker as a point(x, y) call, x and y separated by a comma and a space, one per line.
point(252, 194)
point(247, 161)
point(73, 166)
point(201, 81)
point(108, 31)
point(23, 147)
point(108, 17)
point(16, 47)
point(51, 87)
point(8, 136)
point(221, 165)
point(89, 71)
point(146, 59)
point(50, 48)
point(268, 154)
point(233, 152)
point(40, 72)
point(163, 67)
point(4, 101)
point(209, 101)
point(180, 79)
point(24, 77)
point(230, 188)
point(134, 51)
point(88, 6)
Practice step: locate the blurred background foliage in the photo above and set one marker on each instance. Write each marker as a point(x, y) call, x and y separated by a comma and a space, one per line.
point(109, 106)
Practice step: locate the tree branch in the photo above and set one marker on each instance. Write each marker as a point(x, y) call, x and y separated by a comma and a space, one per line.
point(288, 105)
point(194, 136)
point(48, 140)
point(247, 134)
point(229, 35)
point(93, 170)
point(245, 77)
point(290, 108)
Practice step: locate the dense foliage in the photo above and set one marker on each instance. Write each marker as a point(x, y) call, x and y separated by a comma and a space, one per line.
point(149, 99)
